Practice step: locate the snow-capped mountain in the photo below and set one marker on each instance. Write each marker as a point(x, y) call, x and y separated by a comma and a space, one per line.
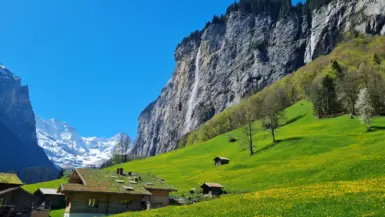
point(66, 148)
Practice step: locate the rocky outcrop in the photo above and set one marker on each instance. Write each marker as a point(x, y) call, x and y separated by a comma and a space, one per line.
point(19, 149)
point(240, 54)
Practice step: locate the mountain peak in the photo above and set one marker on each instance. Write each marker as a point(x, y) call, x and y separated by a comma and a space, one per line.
point(67, 148)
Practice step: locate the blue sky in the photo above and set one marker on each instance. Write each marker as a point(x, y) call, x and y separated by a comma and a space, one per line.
point(97, 64)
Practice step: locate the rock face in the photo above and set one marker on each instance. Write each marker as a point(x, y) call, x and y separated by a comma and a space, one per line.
point(67, 149)
point(244, 52)
point(19, 149)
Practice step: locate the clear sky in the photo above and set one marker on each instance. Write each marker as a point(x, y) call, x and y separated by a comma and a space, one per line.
point(96, 64)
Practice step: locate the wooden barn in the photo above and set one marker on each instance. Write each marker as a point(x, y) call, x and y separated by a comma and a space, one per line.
point(16, 201)
point(213, 189)
point(92, 192)
point(51, 198)
point(218, 161)
point(9, 180)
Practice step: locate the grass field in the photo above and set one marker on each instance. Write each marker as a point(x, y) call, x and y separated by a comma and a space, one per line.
point(51, 184)
point(348, 198)
point(310, 151)
point(328, 167)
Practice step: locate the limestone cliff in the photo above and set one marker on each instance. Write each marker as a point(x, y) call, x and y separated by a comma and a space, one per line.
point(19, 149)
point(243, 52)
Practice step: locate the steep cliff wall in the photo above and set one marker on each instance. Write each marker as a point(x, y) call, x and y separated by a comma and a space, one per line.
point(18, 142)
point(241, 53)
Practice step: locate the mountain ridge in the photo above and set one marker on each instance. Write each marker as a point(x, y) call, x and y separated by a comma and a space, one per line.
point(18, 133)
point(67, 148)
point(243, 52)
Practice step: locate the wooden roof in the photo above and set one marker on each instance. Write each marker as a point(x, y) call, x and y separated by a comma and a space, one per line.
point(17, 189)
point(49, 191)
point(100, 181)
point(212, 185)
point(221, 158)
point(10, 178)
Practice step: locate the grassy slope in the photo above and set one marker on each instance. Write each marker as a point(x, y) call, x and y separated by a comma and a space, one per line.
point(311, 151)
point(320, 167)
point(357, 198)
point(51, 184)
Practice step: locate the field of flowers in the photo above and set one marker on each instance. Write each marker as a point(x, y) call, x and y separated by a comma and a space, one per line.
point(346, 198)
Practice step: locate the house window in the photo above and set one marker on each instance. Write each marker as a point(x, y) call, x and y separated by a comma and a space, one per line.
point(93, 202)
point(126, 202)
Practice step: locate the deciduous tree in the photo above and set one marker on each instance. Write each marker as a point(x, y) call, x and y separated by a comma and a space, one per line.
point(273, 105)
point(364, 107)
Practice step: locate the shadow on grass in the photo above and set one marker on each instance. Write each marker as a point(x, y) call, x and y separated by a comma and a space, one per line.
point(274, 144)
point(293, 120)
point(377, 128)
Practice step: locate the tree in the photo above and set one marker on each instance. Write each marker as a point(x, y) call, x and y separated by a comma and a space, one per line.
point(273, 104)
point(323, 96)
point(376, 90)
point(348, 89)
point(124, 145)
point(248, 129)
point(364, 107)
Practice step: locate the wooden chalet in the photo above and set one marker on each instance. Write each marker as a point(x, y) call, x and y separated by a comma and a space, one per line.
point(221, 161)
point(92, 192)
point(9, 180)
point(14, 200)
point(213, 189)
point(50, 198)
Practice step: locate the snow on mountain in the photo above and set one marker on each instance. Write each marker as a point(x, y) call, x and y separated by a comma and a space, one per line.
point(66, 148)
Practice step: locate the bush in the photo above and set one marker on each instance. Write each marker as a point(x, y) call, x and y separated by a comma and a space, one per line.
point(232, 139)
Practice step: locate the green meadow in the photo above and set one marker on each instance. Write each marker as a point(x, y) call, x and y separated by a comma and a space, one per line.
point(319, 167)
point(310, 151)
point(327, 167)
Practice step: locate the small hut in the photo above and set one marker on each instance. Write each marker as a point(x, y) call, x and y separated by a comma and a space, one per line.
point(213, 189)
point(51, 198)
point(221, 161)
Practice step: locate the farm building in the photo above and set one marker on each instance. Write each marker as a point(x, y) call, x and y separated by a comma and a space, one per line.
point(213, 189)
point(221, 161)
point(92, 192)
point(13, 199)
point(50, 198)
point(9, 180)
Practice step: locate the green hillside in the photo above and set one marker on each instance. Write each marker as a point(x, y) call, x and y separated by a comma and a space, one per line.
point(319, 167)
point(310, 151)
point(357, 198)
point(51, 184)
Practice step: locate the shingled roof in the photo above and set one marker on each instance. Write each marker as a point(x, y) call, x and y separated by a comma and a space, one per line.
point(212, 185)
point(100, 181)
point(10, 178)
point(221, 158)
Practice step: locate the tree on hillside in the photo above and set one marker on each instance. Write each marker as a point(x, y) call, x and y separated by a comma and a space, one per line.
point(375, 83)
point(323, 96)
point(376, 90)
point(124, 145)
point(364, 107)
point(273, 104)
point(348, 89)
point(248, 130)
